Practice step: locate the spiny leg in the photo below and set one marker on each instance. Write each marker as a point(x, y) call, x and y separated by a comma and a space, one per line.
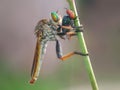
point(74, 33)
point(70, 31)
point(78, 28)
point(59, 52)
point(37, 62)
point(70, 34)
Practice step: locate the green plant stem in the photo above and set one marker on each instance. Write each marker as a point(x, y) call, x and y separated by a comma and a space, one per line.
point(83, 47)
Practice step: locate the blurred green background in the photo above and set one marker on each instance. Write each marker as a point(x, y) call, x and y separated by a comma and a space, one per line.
point(101, 19)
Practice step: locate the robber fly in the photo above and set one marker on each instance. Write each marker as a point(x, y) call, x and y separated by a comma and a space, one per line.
point(46, 30)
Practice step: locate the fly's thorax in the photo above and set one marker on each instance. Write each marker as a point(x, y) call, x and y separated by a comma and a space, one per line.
point(40, 25)
point(47, 30)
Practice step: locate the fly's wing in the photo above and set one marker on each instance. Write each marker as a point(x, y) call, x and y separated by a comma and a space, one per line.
point(36, 62)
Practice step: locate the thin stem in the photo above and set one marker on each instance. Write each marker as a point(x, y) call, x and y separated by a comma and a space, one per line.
point(83, 47)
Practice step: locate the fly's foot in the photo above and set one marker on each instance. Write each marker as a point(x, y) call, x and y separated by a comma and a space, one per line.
point(80, 53)
point(78, 30)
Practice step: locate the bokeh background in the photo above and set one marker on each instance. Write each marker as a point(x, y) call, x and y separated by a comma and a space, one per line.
point(101, 20)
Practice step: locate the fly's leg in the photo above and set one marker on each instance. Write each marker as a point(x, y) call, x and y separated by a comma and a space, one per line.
point(78, 28)
point(74, 33)
point(70, 34)
point(71, 31)
point(59, 52)
point(61, 35)
point(37, 62)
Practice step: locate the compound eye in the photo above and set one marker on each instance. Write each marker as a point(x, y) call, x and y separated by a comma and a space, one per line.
point(55, 16)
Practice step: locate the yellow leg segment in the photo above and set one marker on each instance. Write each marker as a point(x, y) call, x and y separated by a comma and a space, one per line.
point(67, 56)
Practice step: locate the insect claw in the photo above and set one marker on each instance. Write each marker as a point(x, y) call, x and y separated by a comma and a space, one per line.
point(82, 54)
point(78, 30)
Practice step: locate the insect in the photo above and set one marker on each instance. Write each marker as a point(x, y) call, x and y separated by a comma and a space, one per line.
point(46, 30)
point(68, 28)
